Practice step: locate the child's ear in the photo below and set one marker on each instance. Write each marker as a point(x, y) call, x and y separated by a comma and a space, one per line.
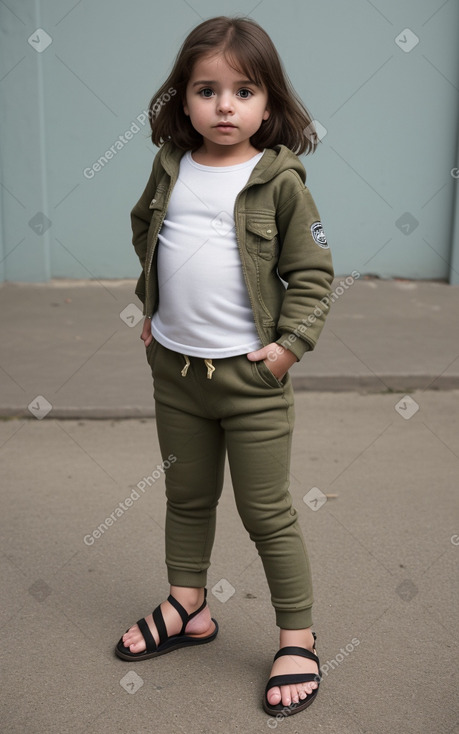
point(185, 108)
point(266, 114)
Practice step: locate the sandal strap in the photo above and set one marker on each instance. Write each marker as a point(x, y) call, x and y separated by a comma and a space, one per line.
point(286, 680)
point(150, 643)
point(193, 614)
point(158, 619)
point(293, 650)
point(182, 611)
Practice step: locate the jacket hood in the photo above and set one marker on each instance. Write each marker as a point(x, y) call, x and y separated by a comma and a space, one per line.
point(273, 161)
point(276, 160)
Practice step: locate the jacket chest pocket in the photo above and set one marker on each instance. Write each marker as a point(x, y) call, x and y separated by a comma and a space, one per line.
point(262, 237)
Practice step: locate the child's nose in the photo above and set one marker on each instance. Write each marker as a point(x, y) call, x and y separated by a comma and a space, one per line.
point(225, 104)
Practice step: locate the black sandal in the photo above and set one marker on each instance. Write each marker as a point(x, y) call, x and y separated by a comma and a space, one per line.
point(286, 680)
point(166, 643)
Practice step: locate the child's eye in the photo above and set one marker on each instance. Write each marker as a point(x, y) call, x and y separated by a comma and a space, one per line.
point(206, 92)
point(245, 93)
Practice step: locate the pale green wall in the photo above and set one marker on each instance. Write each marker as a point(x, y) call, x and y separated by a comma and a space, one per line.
point(390, 116)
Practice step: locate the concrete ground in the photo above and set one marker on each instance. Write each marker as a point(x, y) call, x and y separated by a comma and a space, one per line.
point(374, 478)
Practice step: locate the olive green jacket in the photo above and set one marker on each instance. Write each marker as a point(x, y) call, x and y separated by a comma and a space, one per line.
point(285, 259)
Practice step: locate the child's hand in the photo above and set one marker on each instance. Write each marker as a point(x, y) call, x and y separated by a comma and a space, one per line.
point(146, 335)
point(277, 359)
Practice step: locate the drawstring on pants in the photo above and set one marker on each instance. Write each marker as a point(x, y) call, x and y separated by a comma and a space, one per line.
point(207, 362)
point(187, 364)
point(210, 368)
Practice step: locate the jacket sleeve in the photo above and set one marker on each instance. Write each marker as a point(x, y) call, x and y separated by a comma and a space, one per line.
point(140, 222)
point(305, 264)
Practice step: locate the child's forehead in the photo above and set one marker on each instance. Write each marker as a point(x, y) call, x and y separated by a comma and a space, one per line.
point(211, 66)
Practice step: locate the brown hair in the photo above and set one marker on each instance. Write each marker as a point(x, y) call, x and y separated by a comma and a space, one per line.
point(247, 48)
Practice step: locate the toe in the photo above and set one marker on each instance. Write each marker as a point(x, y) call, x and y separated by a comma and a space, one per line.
point(286, 695)
point(274, 696)
point(133, 640)
point(131, 633)
point(129, 640)
point(294, 694)
point(135, 647)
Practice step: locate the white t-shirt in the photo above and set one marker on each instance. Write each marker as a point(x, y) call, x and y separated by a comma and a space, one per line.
point(204, 308)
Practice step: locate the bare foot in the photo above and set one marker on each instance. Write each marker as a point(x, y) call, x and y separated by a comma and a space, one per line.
point(191, 599)
point(291, 664)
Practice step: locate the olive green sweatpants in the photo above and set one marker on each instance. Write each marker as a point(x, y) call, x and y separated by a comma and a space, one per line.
point(203, 409)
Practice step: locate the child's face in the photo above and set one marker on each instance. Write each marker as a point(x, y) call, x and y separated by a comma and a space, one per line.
point(217, 94)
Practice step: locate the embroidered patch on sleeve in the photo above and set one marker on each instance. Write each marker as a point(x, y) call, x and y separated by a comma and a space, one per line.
point(318, 235)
